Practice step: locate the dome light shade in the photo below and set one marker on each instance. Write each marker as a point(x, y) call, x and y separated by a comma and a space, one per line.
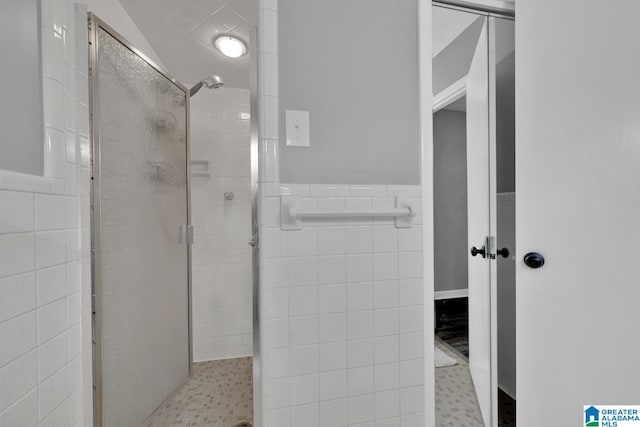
point(230, 45)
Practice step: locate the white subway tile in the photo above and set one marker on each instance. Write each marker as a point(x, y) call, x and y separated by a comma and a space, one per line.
point(360, 296)
point(279, 417)
point(359, 268)
point(52, 356)
point(23, 413)
point(332, 356)
point(385, 266)
point(52, 320)
point(411, 346)
point(303, 360)
point(58, 417)
point(360, 381)
point(303, 271)
point(18, 336)
point(331, 269)
point(411, 373)
point(17, 252)
point(387, 404)
point(410, 265)
point(411, 319)
point(303, 301)
point(278, 392)
point(278, 362)
point(302, 243)
point(387, 376)
point(17, 378)
point(333, 413)
point(274, 243)
point(305, 415)
point(386, 322)
point(386, 349)
point(52, 284)
point(332, 327)
point(360, 324)
point(331, 240)
point(332, 298)
point(410, 238)
point(360, 353)
point(333, 385)
point(411, 420)
point(368, 190)
point(17, 295)
point(385, 238)
point(411, 400)
point(303, 330)
point(17, 214)
point(385, 294)
point(361, 409)
point(359, 240)
point(304, 389)
point(51, 248)
point(277, 303)
point(411, 292)
point(323, 190)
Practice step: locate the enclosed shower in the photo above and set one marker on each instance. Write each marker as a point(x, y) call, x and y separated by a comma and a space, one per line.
point(172, 217)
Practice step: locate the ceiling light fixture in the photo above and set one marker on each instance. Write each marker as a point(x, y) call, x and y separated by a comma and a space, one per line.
point(230, 45)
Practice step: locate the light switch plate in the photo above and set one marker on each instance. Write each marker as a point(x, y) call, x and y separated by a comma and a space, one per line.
point(297, 128)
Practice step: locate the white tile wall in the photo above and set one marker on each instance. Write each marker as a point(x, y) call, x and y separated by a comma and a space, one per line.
point(45, 315)
point(343, 313)
point(341, 301)
point(222, 291)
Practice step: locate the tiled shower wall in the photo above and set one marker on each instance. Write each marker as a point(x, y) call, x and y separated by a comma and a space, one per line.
point(341, 310)
point(222, 293)
point(45, 305)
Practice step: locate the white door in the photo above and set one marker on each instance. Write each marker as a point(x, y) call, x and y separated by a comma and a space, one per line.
point(478, 214)
point(578, 204)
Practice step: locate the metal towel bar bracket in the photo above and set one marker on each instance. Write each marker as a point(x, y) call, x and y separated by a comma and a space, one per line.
point(291, 214)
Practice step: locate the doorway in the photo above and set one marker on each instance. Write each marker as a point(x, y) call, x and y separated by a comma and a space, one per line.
point(474, 211)
point(174, 305)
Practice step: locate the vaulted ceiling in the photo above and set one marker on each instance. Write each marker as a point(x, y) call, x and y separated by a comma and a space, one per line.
point(180, 32)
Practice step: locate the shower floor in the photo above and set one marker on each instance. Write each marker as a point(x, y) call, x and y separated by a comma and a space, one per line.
point(218, 394)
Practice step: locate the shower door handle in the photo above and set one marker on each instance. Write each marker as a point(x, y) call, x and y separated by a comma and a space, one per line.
point(253, 243)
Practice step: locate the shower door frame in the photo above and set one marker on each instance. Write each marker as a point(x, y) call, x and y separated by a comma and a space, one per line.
point(96, 23)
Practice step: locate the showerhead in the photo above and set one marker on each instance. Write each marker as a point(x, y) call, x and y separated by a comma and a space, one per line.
point(211, 82)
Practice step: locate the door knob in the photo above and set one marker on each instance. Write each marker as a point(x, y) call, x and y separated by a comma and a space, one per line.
point(504, 252)
point(475, 251)
point(253, 243)
point(534, 260)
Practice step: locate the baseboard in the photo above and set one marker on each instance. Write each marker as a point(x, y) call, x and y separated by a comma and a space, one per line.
point(456, 293)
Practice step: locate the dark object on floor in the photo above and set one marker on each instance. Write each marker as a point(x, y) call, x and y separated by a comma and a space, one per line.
point(452, 324)
point(244, 424)
point(506, 410)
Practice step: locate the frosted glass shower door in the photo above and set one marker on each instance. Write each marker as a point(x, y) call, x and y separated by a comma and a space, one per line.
point(140, 203)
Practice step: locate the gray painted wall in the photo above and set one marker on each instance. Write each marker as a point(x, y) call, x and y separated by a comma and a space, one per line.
point(450, 200)
point(360, 85)
point(454, 61)
point(21, 120)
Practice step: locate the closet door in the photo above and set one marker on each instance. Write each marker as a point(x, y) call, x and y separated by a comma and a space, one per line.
point(478, 214)
point(140, 202)
point(578, 205)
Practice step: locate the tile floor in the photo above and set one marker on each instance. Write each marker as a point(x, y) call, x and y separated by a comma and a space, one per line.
point(456, 403)
point(219, 394)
